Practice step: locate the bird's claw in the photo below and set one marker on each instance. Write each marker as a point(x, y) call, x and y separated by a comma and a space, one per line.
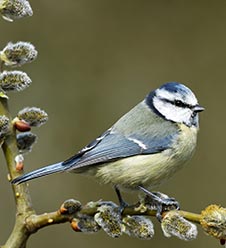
point(160, 202)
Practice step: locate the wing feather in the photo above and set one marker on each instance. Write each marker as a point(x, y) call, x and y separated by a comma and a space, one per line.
point(131, 135)
point(115, 146)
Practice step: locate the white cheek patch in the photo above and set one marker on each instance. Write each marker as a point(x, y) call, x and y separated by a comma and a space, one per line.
point(172, 112)
point(190, 98)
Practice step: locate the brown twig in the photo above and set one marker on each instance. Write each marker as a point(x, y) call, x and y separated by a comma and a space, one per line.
point(22, 198)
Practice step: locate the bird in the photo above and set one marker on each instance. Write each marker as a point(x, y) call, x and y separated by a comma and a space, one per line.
point(144, 148)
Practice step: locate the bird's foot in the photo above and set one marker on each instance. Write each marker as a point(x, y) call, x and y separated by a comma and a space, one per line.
point(159, 202)
point(122, 204)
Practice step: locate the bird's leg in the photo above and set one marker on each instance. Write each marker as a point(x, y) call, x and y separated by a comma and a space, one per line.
point(161, 202)
point(122, 203)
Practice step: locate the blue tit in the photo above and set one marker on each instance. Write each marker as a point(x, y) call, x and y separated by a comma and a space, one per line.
point(144, 148)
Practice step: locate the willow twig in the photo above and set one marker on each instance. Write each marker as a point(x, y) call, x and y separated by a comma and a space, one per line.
point(22, 198)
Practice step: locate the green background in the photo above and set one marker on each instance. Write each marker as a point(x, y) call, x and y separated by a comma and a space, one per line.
point(97, 59)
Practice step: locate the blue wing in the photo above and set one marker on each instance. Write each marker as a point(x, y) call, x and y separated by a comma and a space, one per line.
point(112, 146)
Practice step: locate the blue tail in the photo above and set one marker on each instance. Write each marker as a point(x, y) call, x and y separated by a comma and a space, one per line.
point(50, 169)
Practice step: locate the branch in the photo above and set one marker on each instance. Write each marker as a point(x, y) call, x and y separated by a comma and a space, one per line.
point(22, 198)
point(174, 222)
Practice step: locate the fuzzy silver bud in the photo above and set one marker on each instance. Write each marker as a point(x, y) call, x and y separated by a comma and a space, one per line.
point(33, 116)
point(213, 221)
point(109, 219)
point(85, 224)
point(70, 206)
point(19, 53)
point(19, 159)
point(173, 224)
point(138, 226)
point(15, 9)
point(14, 80)
point(25, 141)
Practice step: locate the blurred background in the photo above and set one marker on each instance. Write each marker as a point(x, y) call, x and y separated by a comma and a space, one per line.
point(97, 59)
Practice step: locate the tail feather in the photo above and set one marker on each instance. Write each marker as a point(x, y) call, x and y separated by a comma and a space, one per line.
point(50, 169)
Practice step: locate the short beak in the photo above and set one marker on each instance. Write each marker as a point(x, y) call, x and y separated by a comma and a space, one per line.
point(197, 108)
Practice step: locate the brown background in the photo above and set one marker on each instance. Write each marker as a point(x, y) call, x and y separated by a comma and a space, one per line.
point(97, 59)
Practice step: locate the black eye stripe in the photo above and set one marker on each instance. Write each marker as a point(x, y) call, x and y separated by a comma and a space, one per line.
point(178, 103)
point(181, 104)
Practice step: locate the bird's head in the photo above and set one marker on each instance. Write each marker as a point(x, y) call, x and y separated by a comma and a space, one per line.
point(175, 102)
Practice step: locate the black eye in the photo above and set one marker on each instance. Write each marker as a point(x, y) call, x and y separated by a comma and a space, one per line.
point(179, 103)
